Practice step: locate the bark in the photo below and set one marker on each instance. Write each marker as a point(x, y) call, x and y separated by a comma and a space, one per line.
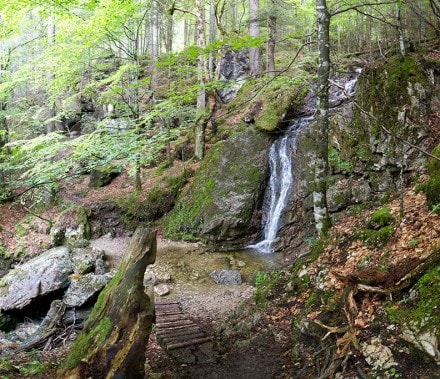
point(51, 125)
point(254, 31)
point(202, 70)
point(114, 339)
point(272, 26)
point(321, 215)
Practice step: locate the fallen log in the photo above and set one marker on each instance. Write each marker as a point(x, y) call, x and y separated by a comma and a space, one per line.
point(113, 342)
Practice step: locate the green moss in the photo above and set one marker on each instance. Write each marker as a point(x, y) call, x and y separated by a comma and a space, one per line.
point(159, 200)
point(424, 310)
point(380, 218)
point(432, 187)
point(96, 336)
point(21, 230)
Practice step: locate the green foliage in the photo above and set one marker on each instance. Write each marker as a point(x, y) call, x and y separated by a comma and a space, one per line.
point(336, 162)
point(380, 218)
point(379, 227)
point(423, 310)
point(159, 200)
point(33, 368)
point(265, 285)
point(432, 187)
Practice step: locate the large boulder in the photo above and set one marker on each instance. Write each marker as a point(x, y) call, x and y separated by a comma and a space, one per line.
point(72, 227)
point(223, 201)
point(40, 276)
point(84, 288)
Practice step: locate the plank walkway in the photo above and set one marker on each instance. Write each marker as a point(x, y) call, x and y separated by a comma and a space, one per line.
point(180, 336)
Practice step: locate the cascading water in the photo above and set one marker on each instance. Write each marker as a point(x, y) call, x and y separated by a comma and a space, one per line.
point(281, 179)
point(280, 183)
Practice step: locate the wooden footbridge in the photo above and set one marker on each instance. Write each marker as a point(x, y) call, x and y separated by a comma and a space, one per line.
point(180, 336)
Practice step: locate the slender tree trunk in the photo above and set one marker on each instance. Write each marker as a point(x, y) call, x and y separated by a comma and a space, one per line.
point(321, 214)
point(272, 26)
point(254, 31)
point(400, 30)
point(155, 44)
point(202, 69)
point(51, 125)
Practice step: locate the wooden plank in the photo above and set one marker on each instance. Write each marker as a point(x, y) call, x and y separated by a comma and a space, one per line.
point(189, 343)
point(167, 303)
point(181, 330)
point(185, 338)
point(168, 318)
point(174, 323)
point(175, 328)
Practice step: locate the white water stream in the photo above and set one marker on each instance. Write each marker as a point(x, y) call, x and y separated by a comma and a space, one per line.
point(281, 179)
point(280, 185)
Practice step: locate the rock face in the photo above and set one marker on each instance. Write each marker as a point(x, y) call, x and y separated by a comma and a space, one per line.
point(223, 202)
point(365, 161)
point(234, 70)
point(45, 274)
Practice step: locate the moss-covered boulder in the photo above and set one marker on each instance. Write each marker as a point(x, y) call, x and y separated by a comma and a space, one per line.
point(72, 227)
point(432, 187)
point(103, 175)
point(273, 103)
point(222, 202)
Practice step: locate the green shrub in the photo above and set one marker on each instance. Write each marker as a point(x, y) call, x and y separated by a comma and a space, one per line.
point(432, 187)
point(159, 201)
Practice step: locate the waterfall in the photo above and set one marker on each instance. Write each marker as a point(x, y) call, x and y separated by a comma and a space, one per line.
point(281, 180)
point(280, 184)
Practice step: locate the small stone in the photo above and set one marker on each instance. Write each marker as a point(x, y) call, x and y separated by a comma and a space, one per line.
point(378, 356)
point(226, 277)
point(161, 290)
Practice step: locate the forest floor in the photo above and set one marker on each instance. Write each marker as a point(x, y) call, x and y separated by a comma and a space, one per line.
point(256, 340)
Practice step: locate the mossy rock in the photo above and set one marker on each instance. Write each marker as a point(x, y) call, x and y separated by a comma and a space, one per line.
point(432, 187)
point(223, 200)
point(273, 103)
point(103, 175)
point(72, 227)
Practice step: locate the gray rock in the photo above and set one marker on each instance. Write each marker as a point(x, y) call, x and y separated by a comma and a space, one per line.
point(348, 192)
point(424, 340)
point(72, 228)
point(40, 276)
point(225, 197)
point(226, 276)
point(86, 260)
point(161, 289)
point(378, 355)
point(234, 70)
point(84, 288)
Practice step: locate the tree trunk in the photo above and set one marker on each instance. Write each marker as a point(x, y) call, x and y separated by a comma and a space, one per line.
point(114, 339)
point(254, 31)
point(51, 125)
point(321, 215)
point(202, 70)
point(272, 26)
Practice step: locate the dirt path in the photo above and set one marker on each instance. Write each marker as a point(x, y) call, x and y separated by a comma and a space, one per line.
point(185, 268)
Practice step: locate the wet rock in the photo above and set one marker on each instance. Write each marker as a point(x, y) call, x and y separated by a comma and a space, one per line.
point(226, 276)
point(424, 340)
point(378, 355)
point(84, 288)
point(42, 275)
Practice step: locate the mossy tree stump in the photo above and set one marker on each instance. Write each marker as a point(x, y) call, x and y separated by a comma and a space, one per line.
point(113, 342)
